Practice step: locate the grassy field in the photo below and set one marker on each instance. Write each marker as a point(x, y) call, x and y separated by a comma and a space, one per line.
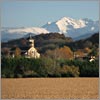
point(50, 88)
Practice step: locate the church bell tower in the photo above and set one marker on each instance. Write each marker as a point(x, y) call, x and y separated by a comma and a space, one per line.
point(31, 41)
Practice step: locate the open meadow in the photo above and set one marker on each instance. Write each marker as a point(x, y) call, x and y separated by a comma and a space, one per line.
point(49, 88)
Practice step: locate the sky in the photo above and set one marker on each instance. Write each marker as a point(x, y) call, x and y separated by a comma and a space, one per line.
point(37, 13)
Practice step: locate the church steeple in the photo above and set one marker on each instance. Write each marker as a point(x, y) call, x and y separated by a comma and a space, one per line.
point(30, 36)
point(31, 41)
point(32, 52)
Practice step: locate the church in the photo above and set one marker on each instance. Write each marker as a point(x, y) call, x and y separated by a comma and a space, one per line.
point(32, 52)
point(27, 52)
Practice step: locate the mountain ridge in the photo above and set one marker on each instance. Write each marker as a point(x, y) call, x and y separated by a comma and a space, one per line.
point(68, 26)
point(72, 27)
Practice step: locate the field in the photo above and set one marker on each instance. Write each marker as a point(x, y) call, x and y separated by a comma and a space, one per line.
point(50, 88)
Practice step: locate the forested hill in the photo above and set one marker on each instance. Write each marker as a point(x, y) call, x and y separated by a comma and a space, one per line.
point(51, 41)
point(90, 42)
point(41, 40)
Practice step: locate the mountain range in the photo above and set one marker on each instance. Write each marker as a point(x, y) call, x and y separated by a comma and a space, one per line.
point(76, 29)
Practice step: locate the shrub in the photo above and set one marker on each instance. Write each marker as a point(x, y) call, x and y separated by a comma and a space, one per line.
point(89, 69)
point(70, 71)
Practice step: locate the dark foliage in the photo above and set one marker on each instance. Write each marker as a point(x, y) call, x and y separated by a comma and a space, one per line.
point(90, 42)
point(46, 67)
point(86, 68)
point(42, 41)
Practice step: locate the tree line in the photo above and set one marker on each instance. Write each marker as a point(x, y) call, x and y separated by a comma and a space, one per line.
point(47, 67)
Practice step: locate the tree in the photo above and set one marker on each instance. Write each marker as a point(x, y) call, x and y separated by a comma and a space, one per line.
point(23, 42)
point(79, 53)
point(66, 53)
point(87, 50)
point(17, 52)
point(88, 44)
point(94, 52)
point(5, 52)
point(59, 53)
point(70, 71)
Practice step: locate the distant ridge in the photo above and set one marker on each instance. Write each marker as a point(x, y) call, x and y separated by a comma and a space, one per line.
point(66, 25)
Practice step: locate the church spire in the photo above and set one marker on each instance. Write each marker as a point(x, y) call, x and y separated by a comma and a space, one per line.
point(30, 36)
point(31, 41)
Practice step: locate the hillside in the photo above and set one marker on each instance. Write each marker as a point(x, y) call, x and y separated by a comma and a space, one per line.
point(42, 41)
point(54, 40)
point(90, 42)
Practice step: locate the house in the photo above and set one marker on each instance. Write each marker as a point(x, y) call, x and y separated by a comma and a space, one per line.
point(92, 58)
point(81, 54)
point(28, 52)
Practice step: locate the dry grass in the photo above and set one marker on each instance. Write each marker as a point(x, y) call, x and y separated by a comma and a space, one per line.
point(50, 88)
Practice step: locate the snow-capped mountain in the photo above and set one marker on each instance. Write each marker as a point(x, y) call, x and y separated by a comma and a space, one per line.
point(68, 26)
point(15, 33)
point(72, 27)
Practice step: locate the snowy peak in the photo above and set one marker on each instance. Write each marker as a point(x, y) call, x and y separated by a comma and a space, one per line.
point(69, 21)
point(35, 30)
point(72, 27)
point(51, 27)
point(68, 26)
point(15, 33)
point(64, 24)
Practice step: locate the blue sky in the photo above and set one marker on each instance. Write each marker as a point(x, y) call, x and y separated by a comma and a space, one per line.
point(37, 13)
